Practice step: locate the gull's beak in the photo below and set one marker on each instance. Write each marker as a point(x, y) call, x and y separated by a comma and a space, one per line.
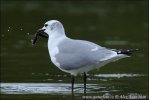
point(41, 33)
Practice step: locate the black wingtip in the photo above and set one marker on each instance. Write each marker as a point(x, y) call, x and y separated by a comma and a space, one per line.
point(127, 51)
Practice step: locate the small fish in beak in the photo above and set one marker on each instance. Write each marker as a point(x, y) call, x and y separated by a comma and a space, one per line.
point(41, 33)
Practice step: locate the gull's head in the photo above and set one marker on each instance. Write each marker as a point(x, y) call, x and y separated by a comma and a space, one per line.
point(50, 28)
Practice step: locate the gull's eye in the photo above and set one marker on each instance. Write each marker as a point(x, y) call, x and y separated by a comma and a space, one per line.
point(46, 25)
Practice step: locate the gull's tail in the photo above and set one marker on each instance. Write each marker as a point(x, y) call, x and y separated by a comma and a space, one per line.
point(127, 51)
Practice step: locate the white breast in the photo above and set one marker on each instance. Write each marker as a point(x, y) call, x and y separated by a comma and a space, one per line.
point(53, 54)
point(53, 49)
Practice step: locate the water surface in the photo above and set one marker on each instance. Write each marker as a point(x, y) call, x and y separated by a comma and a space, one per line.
point(27, 72)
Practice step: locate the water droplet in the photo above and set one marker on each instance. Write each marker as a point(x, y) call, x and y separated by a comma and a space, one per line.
point(47, 74)
point(27, 33)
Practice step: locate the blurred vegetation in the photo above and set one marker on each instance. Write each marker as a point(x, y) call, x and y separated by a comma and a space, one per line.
point(97, 21)
point(109, 23)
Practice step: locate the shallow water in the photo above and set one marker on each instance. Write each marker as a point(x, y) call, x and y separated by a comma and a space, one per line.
point(110, 85)
point(65, 88)
point(27, 72)
point(45, 88)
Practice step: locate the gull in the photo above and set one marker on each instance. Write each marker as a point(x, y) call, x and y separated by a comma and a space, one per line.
point(76, 56)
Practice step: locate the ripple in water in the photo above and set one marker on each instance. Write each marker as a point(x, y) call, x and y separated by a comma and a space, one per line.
point(65, 88)
point(45, 88)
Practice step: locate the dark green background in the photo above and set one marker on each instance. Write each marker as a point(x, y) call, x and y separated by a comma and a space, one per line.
point(97, 21)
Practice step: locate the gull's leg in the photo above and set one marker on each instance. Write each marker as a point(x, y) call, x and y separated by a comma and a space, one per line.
point(72, 81)
point(84, 83)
